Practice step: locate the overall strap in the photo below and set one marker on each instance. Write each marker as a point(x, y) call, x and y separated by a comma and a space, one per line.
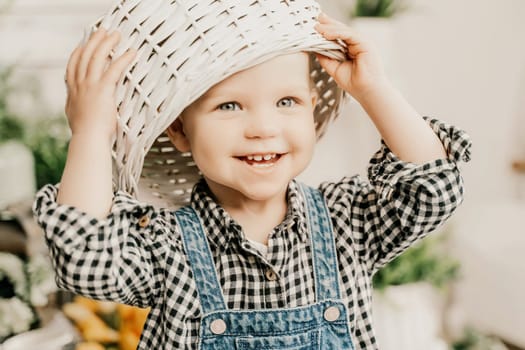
point(201, 261)
point(326, 269)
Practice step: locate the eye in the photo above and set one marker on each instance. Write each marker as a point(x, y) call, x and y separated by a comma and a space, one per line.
point(286, 102)
point(228, 106)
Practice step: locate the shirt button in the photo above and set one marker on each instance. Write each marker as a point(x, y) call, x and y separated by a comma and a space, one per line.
point(270, 275)
point(218, 326)
point(144, 221)
point(331, 314)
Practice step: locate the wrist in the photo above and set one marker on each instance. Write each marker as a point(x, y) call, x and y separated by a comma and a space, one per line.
point(92, 138)
point(375, 93)
point(98, 131)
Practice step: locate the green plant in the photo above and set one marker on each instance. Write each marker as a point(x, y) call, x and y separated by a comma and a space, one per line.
point(474, 340)
point(48, 142)
point(377, 8)
point(10, 126)
point(46, 137)
point(422, 262)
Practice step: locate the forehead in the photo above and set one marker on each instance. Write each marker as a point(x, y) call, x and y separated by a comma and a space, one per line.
point(291, 69)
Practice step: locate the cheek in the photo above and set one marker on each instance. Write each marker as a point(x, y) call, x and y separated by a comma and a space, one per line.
point(308, 127)
point(311, 137)
point(310, 143)
point(210, 143)
point(304, 136)
point(198, 134)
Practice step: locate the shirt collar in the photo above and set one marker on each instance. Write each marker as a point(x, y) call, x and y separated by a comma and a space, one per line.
point(222, 229)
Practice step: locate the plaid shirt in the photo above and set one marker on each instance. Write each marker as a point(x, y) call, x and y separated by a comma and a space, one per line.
point(374, 221)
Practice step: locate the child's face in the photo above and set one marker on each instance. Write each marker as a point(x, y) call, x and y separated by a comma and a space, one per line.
point(254, 131)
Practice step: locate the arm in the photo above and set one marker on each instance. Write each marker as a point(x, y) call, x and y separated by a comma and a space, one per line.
point(400, 202)
point(401, 127)
point(414, 181)
point(96, 243)
point(87, 179)
point(116, 258)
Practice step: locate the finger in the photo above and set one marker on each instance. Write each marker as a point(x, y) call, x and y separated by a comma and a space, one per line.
point(117, 67)
point(329, 65)
point(325, 19)
point(72, 67)
point(100, 57)
point(354, 41)
point(336, 31)
point(87, 52)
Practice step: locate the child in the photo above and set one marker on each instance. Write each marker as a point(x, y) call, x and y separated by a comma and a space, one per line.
point(257, 260)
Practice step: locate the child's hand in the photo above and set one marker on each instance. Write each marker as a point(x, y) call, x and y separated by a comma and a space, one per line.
point(91, 81)
point(363, 71)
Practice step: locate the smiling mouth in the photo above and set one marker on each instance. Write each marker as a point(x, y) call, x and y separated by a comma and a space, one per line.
point(261, 160)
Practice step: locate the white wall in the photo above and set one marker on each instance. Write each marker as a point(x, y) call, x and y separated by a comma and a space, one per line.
point(466, 63)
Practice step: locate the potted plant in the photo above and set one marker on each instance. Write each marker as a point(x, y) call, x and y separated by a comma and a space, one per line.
point(377, 8)
point(16, 168)
point(32, 154)
point(409, 297)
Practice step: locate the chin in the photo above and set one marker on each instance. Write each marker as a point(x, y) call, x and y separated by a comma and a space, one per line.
point(262, 192)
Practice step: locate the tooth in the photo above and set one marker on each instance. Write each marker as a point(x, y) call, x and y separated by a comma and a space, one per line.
point(267, 157)
point(250, 157)
point(257, 158)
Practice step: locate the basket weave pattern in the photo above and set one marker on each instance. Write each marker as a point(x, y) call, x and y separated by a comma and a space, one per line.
point(184, 48)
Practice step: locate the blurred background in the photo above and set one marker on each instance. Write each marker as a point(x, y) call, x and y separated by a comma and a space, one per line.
point(458, 61)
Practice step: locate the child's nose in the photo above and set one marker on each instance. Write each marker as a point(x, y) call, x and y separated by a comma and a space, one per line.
point(262, 124)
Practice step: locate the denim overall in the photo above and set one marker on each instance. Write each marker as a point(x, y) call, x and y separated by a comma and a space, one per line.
point(320, 326)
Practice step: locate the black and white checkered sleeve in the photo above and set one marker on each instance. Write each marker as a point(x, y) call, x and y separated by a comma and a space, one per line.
point(401, 202)
point(119, 258)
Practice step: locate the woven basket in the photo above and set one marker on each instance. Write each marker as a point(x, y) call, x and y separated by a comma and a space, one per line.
point(184, 48)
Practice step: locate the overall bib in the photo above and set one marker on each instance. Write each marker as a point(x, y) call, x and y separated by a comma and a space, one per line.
point(320, 326)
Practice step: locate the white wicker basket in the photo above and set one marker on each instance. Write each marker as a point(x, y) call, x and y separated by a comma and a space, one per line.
point(184, 48)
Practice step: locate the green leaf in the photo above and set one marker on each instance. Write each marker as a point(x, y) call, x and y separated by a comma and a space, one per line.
point(377, 8)
point(423, 262)
point(10, 128)
point(49, 151)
